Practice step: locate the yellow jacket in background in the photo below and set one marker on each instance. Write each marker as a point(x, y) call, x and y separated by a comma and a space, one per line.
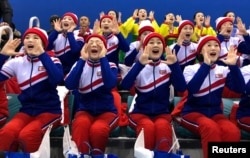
point(130, 26)
point(170, 37)
point(200, 32)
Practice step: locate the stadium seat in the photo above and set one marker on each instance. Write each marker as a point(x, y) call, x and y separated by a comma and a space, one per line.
point(14, 105)
point(228, 104)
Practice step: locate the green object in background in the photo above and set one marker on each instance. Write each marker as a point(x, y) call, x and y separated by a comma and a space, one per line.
point(121, 56)
point(134, 38)
point(13, 105)
point(170, 41)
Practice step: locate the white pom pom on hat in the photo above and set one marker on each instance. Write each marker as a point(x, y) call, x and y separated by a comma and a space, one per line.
point(221, 20)
point(145, 25)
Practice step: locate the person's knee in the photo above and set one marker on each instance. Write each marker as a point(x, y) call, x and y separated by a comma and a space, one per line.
point(209, 128)
point(99, 130)
point(231, 132)
point(8, 133)
point(148, 126)
point(29, 140)
point(27, 135)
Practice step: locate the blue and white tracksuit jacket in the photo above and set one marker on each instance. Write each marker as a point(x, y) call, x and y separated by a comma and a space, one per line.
point(94, 81)
point(241, 44)
point(152, 83)
point(37, 78)
point(133, 54)
point(205, 84)
point(115, 43)
point(186, 54)
point(67, 48)
point(244, 105)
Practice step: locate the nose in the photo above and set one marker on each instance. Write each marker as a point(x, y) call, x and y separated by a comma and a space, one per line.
point(213, 47)
point(94, 44)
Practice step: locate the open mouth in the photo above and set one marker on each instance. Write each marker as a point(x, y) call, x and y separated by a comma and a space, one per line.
point(188, 35)
point(228, 31)
point(30, 46)
point(94, 51)
point(155, 51)
point(66, 25)
point(212, 54)
point(106, 27)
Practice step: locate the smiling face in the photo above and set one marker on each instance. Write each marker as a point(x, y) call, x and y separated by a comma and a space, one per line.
point(212, 50)
point(106, 25)
point(94, 48)
point(187, 31)
point(31, 41)
point(155, 47)
point(67, 22)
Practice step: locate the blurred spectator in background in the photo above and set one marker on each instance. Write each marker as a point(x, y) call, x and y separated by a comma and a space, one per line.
point(6, 14)
point(52, 19)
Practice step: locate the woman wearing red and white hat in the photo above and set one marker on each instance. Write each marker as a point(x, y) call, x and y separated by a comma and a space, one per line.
point(203, 112)
point(185, 49)
point(65, 44)
point(37, 75)
point(152, 78)
point(94, 77)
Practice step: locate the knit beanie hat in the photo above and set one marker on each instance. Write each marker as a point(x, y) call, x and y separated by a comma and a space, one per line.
point(203, 40)
point(145, 25)
point(72, 15)
point(106, 16)
point(98, 36)
point(40, 32)
point(183, 23)
point(152, 35)
point(221, 20)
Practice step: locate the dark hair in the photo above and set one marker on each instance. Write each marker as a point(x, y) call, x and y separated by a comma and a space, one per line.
point(116, 13)
point(226, 13)
point(167, 14)
point(196, 14)
point(142, 9)
point(53, 18)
